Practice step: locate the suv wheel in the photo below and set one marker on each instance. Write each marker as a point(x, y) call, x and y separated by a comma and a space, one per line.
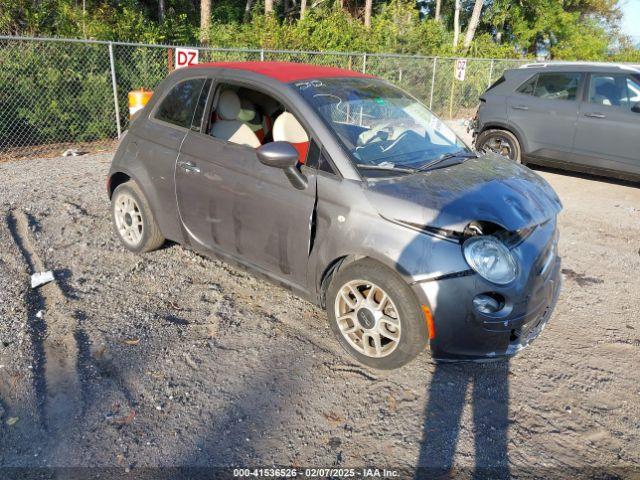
point(132, 219)
point(375, 315)
point(501, 142)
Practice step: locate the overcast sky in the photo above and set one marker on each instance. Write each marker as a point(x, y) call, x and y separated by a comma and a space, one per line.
point(631, 19)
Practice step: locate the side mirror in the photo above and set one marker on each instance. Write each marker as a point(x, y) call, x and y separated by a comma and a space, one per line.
point(284, 156)
point(636, 107)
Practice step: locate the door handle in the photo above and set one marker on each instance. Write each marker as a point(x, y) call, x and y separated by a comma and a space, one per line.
point(519, 107)
point(595, 115)
point(189, 167)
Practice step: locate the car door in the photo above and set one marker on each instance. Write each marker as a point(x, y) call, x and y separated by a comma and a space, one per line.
point(231, 203)
point(155, 143)
point(545, 109)
point(608, 131)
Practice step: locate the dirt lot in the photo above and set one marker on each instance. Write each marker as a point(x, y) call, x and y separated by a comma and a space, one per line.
point(172, 359)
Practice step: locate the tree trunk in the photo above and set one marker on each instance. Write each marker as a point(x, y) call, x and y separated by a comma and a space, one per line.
point(456, 25)
point(303, 8)
point(438, 8)
point(247, 9)
point(161, 10)
point(268, 7)
point(473, 24)
point(368, 6)
point(205, 21)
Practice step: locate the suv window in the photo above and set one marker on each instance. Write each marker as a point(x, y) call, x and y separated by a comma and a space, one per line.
point(528, 87)
point(615, 90)
point(552, 86)
point(557, 86)
point(178, 106)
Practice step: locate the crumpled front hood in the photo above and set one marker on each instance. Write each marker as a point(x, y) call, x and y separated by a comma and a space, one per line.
point(489, 188)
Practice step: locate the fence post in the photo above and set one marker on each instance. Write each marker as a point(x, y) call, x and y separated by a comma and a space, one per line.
point(262, 54)
point(433, 81)
point(364, 62)
point(115, 88)
point(490, 73)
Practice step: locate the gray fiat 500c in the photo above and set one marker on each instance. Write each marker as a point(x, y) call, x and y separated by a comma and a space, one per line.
point(348, 191)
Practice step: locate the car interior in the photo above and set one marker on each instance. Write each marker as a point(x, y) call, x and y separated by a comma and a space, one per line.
point(251, 118)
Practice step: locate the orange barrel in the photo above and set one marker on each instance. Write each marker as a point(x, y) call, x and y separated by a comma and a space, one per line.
point(138, 99)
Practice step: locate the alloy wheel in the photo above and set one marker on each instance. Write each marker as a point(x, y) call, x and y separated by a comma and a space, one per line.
point(367, 318)
point(128, 218)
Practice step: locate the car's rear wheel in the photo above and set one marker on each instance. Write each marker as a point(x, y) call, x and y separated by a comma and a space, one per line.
point(133, 220)
point(501, 142)
point(375, 315)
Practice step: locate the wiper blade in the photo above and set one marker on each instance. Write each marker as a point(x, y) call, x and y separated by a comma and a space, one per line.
point(459, 154)
point(388, 168)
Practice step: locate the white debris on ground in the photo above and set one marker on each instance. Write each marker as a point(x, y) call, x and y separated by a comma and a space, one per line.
point(41, 278)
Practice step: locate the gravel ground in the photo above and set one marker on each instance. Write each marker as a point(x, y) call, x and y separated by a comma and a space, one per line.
point(171, 359)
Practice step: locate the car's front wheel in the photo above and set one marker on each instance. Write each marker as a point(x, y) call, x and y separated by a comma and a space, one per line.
point(133, 220)
point(375, 315)
point(501, 142)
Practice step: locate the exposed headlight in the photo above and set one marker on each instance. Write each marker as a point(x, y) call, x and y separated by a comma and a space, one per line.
point(491, 259)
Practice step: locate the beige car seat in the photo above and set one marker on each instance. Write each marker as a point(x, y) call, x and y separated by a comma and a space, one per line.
point(287, 128)
point(249, 115)
point(227, 126)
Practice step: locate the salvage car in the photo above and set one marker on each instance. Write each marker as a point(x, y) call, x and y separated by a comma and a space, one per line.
point(351, 193)
point(575, 116)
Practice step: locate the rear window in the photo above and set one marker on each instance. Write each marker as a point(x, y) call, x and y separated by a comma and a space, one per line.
point(178, 106)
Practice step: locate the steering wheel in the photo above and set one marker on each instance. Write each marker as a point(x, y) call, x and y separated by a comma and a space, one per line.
point(369, 136)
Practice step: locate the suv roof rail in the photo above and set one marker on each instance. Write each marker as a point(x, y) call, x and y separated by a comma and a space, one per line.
point(621, 66)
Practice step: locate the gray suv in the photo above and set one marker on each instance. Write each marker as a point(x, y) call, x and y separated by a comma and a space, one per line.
point(577, 116)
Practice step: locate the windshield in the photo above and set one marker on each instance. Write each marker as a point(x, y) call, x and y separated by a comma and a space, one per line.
point(379, 124)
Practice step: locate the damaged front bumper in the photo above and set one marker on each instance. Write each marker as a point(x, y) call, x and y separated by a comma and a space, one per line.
point(464, 333)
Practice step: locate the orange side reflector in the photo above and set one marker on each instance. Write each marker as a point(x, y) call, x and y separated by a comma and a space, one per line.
point(430, 325)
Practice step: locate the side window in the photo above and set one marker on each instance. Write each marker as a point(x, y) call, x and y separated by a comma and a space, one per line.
point(528, 87)
point(196, 123)
point(633, 92)
point(557, 86)
point(614, 90)
point(313, 157)
point(325, 164)
point(179, 105)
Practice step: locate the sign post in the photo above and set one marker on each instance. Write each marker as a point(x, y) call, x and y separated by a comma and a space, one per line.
point(458, 73)
point(186, 57)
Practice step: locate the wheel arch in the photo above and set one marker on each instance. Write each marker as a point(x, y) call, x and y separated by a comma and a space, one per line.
point(116, 179)
point(339, 262)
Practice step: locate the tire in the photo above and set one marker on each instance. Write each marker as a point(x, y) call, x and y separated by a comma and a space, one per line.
point(129, 206)
point(409, 323)
point(501, 142)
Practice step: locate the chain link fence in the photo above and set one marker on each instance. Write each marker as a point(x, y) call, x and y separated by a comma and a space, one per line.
point(60, 94)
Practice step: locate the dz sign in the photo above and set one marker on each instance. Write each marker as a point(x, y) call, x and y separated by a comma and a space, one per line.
point(185, 57)
point(461, 69)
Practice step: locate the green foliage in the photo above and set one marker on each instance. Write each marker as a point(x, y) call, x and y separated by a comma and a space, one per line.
point(565, 29)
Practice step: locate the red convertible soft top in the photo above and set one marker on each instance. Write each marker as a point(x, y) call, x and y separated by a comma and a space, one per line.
point(286, 71)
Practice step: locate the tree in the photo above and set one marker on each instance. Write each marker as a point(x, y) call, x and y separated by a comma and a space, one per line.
point(268, 7)
point(456, 25)
point(303, 8)
point(368, 6)
point(438, 8)
point(161, 10)
point(473, 24)
point(205, 21)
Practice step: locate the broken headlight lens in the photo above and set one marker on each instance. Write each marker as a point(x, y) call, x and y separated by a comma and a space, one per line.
point(491, 259)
